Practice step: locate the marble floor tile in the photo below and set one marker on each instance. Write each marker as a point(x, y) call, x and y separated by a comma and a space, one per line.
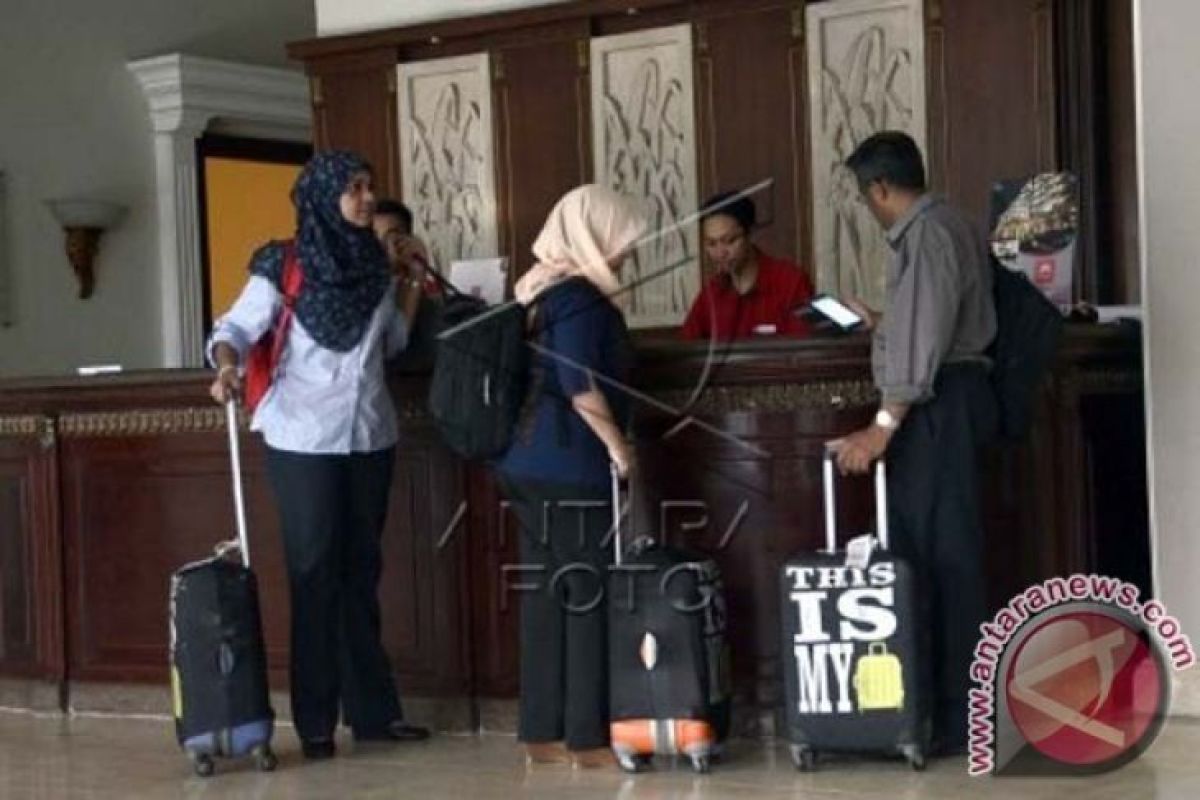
point(50, 757)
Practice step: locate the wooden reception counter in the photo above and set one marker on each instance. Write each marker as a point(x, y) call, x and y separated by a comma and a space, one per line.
point(107, 484)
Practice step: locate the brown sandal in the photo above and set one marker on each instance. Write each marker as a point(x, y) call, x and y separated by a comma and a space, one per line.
point(546, 753)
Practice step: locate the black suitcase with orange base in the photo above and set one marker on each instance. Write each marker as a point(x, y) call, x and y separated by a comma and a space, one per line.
point(668, 656)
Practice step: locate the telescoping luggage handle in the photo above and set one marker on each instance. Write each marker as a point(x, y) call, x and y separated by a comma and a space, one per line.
point(239, 502)
point(881, 515)
point(618, 514)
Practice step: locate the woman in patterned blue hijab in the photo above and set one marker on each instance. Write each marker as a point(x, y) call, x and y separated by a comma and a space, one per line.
point(330, 429)
point(345, 268)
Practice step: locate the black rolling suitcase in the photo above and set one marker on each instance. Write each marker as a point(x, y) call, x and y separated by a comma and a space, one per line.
point(218, 662)
point(854, 656)
point(668, 656)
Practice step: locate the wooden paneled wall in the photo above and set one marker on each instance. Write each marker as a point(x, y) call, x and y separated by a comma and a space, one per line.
point(994, 103)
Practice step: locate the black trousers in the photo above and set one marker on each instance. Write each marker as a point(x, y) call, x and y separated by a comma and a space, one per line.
point(562, 577)
point(332, 509)
point(935, 522)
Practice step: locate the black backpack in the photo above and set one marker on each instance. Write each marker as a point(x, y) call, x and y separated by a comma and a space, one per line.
point(480, 376)
point(1028, 328)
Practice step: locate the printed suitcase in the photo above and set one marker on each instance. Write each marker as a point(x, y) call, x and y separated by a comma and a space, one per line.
point(668, 656)
point(219, 687)
point(854, 649)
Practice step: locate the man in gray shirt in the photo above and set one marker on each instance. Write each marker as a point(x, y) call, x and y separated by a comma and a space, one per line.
point(937, 405)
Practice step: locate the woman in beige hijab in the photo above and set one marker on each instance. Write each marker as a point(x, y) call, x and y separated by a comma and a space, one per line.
point(557, 472)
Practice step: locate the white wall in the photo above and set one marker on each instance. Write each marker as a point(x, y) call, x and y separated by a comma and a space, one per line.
point(350, 16)
point(74, 122)
point(1168, 133)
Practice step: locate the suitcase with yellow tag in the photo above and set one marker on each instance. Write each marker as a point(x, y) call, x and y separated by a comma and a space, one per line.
point(853, 652)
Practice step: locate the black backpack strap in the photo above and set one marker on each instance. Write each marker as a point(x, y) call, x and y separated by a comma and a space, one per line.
point(537, 377)
point(537, 330)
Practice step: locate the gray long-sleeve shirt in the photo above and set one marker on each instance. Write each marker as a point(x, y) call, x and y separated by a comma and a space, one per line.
point(939, 293)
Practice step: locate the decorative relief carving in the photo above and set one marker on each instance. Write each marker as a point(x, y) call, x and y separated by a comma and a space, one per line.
point(866, 73)
point(146, 422)
point(446, 156)
point(20, 427)
point(774, 398)
point(644, 144)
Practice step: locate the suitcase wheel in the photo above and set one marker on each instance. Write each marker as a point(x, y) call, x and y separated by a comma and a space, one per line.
point(265, 759)
point(702, 764)
point(805, 758)
point(203, 764)
point(631, 762)
point(915, 757)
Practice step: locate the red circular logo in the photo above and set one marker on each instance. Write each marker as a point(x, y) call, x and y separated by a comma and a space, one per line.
point(1087, 689)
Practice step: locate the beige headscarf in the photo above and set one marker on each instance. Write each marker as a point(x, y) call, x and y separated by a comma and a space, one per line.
point(588, 226)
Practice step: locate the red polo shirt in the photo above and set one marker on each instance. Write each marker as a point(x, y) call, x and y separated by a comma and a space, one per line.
point(780, 288)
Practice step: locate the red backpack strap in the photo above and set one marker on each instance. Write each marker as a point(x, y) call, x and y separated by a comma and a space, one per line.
point(292, 280)
point(293, 276)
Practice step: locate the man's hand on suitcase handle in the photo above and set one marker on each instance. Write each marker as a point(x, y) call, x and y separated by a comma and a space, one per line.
point(859, 450)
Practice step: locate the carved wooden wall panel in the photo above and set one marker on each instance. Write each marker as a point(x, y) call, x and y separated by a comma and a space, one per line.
point(447, 162)
point(866, 73)
point(644, 144)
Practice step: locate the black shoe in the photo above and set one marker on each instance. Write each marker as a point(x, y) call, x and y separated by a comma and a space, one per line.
point(317, 749)
point(397, 731)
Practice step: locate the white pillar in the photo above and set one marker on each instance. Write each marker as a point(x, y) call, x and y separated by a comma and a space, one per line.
point(1166, 61)
point(180, 289)
point(186, 95)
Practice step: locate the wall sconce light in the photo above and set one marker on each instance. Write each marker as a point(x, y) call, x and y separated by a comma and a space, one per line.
point(83, 221)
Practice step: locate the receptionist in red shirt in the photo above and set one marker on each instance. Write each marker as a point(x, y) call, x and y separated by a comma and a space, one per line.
point(752, 293)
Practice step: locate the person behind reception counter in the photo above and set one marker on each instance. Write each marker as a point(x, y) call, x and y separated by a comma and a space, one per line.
point(408, 255)
point(331, 432)
point(392, 222)
point(751, 292)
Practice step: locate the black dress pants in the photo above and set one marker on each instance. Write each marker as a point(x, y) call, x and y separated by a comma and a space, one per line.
point(332, 509)
point(935, 522)
point(564, 553)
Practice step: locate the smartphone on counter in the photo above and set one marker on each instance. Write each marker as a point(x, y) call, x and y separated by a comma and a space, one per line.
point(837, 312)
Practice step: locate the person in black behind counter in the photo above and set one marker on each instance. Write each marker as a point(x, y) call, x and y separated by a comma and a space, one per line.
point(937, 405)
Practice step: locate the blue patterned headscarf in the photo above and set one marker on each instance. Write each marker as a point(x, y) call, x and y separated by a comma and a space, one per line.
point(346, 271)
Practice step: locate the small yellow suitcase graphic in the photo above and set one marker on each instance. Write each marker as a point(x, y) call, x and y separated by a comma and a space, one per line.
point(879, 680)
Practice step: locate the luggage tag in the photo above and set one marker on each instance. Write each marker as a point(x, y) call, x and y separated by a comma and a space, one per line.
point(859, 550)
